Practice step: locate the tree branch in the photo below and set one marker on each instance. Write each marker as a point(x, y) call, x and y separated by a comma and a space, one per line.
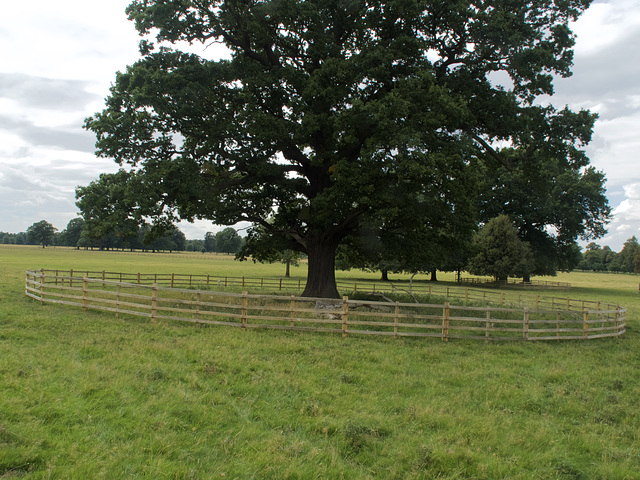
point(489, 149)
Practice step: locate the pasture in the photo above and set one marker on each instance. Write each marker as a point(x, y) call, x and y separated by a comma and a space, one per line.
point(88, 395)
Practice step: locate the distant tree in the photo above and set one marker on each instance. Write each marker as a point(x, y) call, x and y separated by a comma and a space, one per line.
point(70, 236)
point(228, 241)
point(499, 252)
point(164, 243)
point(210, 242)
point(636, 261)
point(194, 245)
point(624, 260)
point(106, 206)
point(290, 258)
point(261, 247)
point(551, 194)
point(21, 238)
point(42, 233)
point(597, 258)
point(179, 239)
point(429, 233)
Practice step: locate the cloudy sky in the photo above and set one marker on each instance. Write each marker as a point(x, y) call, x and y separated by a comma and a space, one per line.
point(58, 60)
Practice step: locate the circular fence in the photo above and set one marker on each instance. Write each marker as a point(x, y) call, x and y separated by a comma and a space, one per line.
point(215, 303)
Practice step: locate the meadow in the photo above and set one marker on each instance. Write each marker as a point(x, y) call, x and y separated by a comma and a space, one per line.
point(89, 395)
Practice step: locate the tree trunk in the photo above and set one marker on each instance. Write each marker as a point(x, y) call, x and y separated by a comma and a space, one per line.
point(321, 276)
point(434, 277)
point(287, 273)
point(385, 275)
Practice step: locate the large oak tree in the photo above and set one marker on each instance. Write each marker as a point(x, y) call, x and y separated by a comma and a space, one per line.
point(328, 113)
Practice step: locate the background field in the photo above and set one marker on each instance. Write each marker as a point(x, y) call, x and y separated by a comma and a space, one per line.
point(86, 395)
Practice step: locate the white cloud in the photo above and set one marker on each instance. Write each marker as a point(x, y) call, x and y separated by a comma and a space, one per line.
point(605, 24)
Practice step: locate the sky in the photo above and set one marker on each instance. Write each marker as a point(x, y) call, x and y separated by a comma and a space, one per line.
point(58, 60)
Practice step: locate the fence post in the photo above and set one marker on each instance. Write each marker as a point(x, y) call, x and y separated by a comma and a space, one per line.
point(70, 277)
point(85, 292)
point(173, 277)
point(41, 281)
point(292, 315)
point(198, 301)
point(487, 326)
point(104, 275)
point(525, 324)
point(345, 315)
point(585, 323)
point(445, 322)
point(138, 278)
point(280, 284)
point(118, 300)
point(245, 304)
point(154, 301)
point(395, 319)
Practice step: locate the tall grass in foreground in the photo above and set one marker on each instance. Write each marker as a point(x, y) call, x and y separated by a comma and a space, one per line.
point(86, 395)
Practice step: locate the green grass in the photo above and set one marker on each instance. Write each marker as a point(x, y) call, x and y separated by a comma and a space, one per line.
point(86, 395)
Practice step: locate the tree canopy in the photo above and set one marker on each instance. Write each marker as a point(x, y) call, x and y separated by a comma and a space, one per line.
point(42, 232)
point(332, 114)
point(499, 252)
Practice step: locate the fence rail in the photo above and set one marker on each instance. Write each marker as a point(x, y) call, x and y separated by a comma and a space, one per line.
point(445, 321)
point(517, 283)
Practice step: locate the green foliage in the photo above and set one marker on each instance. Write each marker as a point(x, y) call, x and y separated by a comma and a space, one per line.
point(597, 258)
point(70, 236)
point(41, 232)
point(228, 241)
point(499, 252)
point(624, 260)
point(329, 115)
point(209, 242)
point(550, 194)
point(14, 238)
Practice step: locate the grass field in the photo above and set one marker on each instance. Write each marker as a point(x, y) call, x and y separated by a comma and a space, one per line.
point(86, 395)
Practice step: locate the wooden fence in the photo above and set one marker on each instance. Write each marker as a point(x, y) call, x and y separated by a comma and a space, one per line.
point(512, 282)
point(345, 316)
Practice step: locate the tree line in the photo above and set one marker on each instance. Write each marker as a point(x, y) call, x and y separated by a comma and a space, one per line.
point(602, 259)
point(495, 250)
point(76, 234)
